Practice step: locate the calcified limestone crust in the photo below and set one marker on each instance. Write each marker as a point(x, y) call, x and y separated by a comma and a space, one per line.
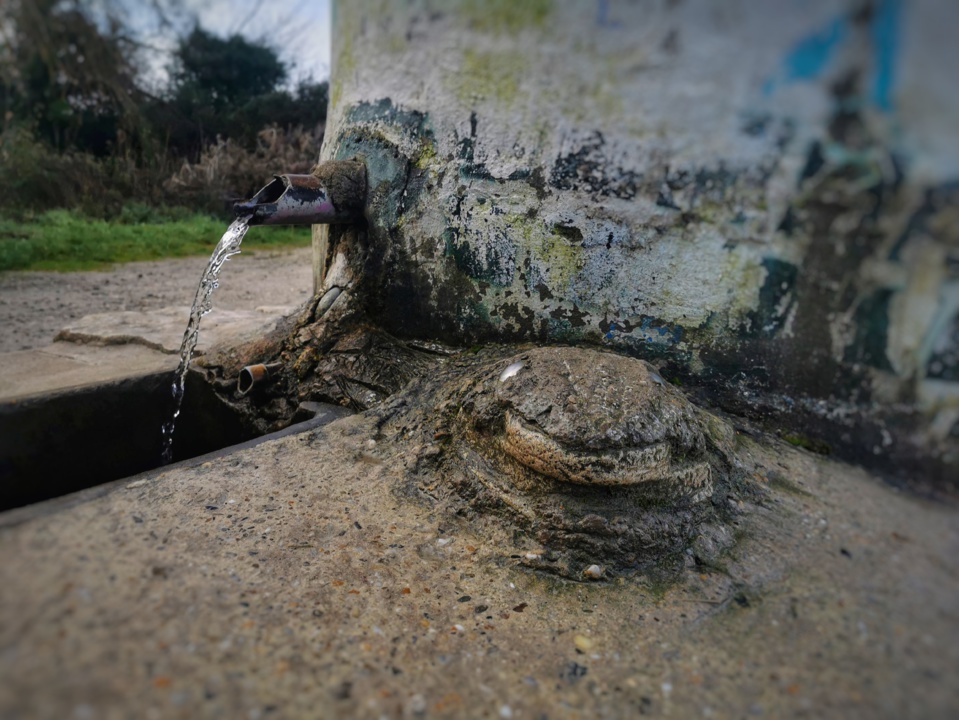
point(591, 456)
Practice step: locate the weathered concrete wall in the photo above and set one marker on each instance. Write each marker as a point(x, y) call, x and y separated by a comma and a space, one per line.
point(761, 196)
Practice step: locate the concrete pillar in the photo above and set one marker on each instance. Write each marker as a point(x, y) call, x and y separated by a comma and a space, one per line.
point(758, 196)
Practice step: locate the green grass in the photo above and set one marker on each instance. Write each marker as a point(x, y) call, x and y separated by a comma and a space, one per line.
point(66, 241)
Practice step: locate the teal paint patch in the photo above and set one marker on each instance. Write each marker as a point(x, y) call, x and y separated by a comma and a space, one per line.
point(488, 258)
point(811, 57)
point(812, 54)
point(395, 182)
point(369, 124)
point(389, 175)
point(413, 122)
point(560, 329)
point(775, 299)
point(383, 164)
point(872, 330)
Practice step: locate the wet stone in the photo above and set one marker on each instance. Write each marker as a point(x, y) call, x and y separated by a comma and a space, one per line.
point(590, 455)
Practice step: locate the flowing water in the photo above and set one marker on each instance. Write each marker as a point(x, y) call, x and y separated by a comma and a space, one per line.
point(228, 246)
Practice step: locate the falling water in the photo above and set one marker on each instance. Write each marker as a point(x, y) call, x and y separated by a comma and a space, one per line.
point(228, 246)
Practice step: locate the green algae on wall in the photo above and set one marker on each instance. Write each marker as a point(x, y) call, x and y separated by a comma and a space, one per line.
point(343, 60)
point(506, 16)
point(489, 75)
point(558, 254)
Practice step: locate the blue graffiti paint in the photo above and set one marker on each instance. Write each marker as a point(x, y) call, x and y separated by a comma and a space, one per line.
point(649, 331)
point(813, 53)
point(602, 15)
point(885, 37)
point(660, 333)
point(810, 56)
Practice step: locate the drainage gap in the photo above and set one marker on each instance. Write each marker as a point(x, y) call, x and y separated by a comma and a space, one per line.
point(70, 440)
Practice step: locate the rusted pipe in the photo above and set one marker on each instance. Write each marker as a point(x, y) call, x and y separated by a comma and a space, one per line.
point(251, 375)
point(334, 193)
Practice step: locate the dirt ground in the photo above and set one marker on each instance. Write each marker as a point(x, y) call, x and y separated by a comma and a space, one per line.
point(34, 306)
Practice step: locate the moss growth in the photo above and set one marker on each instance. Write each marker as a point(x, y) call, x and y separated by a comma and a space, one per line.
point(507, 16)
point(426, 157)
point(562, 258)
point(558, 255)
point(807, 443)
point(489, 75)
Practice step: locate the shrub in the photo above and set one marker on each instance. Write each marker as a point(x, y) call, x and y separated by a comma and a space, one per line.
point(35, 178)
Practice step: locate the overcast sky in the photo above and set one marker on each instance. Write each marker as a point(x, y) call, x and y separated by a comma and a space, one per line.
point(298, 29)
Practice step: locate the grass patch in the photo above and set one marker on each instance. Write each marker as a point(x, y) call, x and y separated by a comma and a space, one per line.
point(65, 241)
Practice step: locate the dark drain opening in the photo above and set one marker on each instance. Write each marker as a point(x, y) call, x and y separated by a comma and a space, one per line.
point(56, 444)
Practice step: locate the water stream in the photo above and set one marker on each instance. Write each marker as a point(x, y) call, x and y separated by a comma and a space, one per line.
point(228, 246)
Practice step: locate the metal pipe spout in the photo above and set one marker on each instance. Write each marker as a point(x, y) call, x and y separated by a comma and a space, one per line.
point(334, 193)
point(253, 375)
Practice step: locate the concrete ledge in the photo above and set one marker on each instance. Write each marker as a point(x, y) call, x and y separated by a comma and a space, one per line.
point(314, 576)
point(325, 415)
point(89, 408)
point(66, 365)
point(107, 347)
point(162, 329)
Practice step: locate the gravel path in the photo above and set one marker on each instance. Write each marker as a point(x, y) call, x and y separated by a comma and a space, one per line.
point(34, 306)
